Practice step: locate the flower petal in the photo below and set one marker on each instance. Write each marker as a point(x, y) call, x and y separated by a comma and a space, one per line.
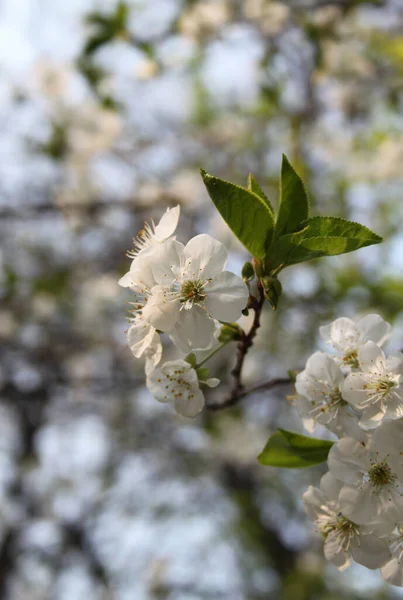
point(371, 357)
point(161, 310)
point(190, 405)
point(358, 504)
point(194, 329)
point(370, 551)
point(204, 258)
point(373, 328)
point(227, 296)
point(392, 572)
point(335, 553)
point(168, 223)
point(166, 261)
point(341, 333)
point(348, 460)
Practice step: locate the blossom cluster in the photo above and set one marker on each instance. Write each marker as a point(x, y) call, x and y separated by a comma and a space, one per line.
point(182, 291)
point(357, 393)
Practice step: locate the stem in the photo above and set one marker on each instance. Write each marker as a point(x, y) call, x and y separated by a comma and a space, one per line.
point(232, 400)
point(236, 391)
point(220, 347)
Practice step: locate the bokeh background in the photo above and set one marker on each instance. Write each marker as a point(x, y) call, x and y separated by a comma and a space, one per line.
point(107, 112)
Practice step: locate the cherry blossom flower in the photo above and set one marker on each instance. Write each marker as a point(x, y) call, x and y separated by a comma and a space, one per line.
point(144, 340)
point(193, 291)
point(344, 539)
point(177, 382)
point(156, 234)
point(346, 336)
point(392, 571)
point(320, 399)
point(377, 388)
point(372, 478)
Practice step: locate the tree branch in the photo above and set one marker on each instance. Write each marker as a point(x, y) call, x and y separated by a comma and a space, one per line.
point(237, 391)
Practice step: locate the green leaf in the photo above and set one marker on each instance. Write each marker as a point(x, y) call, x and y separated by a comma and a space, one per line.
point(254, 187)
point(294, 451)
point(321, 236)
point(247, 215)
point(294, 200)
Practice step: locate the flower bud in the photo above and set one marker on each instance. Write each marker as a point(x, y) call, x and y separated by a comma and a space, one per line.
point(272, 289)
point(230, 332)
point(248, 272)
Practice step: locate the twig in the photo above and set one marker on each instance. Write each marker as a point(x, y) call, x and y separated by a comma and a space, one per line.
point(237, 391)
point(267, 385)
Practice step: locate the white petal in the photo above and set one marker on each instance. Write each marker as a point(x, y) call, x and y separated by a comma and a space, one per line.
point(190, 405)
point(348, 460)
point(166, 261)
point(168, 223)
point(388, 439)
point(358, 504)
point(126, 280)
point(342, 334)
point(392, 572)
point(194, 329)
point(227, 296)
point(354, 389)
point(394, 406)
point(370, 551)
point(394, 363)
point(141, 270)
point(156, 381)
point(140, 337)
point(373, 328)
point(205, 258)
point(314, 500)
point(330, 486)
point(371, 357)
point(372, 416)
point(334, 553)
point(161, 311)
point(321, 366)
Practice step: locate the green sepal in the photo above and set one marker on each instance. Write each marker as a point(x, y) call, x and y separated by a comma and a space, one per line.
point(202, 373)
point(191, 359)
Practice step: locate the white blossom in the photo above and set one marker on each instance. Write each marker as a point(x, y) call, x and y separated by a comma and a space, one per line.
point(320, 399)
point(344, 539)
point(144, 340)
point(156, 234)
point(193, 291)
point(176, 381)
point(376, 389)
point(372, 478)
point(346, 336)
point(392, 571)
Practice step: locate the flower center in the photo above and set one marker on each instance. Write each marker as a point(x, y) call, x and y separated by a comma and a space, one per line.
point(351, 359)
point(192, 292)
point(336, 400)
point(344, 529)
point(380, 474)
point(380, 388)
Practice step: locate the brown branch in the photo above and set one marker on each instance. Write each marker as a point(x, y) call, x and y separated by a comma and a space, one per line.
point(267, 385)
point(237, 391)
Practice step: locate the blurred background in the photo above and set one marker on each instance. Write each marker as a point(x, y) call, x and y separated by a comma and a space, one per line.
point(107, 111)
